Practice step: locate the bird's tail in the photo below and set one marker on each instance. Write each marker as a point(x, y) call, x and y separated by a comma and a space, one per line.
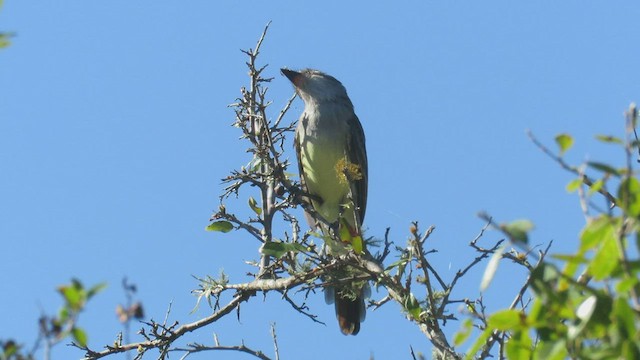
point(350, 311)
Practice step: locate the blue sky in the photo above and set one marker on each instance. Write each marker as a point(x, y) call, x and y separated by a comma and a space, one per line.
point(115, 133)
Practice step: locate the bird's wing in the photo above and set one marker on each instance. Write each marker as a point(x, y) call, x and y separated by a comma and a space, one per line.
point(357, 154)
point(303, 183)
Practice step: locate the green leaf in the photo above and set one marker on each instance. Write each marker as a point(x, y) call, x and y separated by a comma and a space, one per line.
point(96, 289)
point(629, 195)
point(253, 204)
point(222, 226)
point(519, 346)
point(72, 296)
point(574, 185)
point(278, 249)
point(63, 314)
point(596, 186)
point(397, 263)
point(537, 311)
point(461, 336)
point(506, 320)
point(570, 258)
point(606, 259)
point(626, 318)
point(544, 277)
point(573, 262)
point(625, 286)
point(480, 341)
point(630, 350)
point(551, 350)
point(4, 40)
point(518, 230)
point(565, 142)
point(79, 336)
point(609, 139)
point(491, 269)
point(605, 168)
point(412, 305)
point(595, 232)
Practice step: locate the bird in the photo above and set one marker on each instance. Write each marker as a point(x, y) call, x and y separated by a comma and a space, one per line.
point(332, 160)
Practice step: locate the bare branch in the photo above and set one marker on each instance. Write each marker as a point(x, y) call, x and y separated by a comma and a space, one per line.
point(168, 335)
point(275, 341)
point(195, 348)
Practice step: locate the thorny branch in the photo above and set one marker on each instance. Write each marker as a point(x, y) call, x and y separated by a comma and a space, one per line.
point(295, 263)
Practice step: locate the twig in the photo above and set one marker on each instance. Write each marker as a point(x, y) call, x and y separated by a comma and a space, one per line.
point(301, 308)
point(173, 335)
point(275, 341)
point(585, 179)
point(195, 348)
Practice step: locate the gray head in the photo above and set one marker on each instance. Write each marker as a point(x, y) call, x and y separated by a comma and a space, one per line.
point(314, 86)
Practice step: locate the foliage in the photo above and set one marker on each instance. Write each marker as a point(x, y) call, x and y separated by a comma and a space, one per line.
point(586, 305)
point(58, 328)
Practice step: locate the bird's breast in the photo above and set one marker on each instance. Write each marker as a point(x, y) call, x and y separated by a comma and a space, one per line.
point(323, 144)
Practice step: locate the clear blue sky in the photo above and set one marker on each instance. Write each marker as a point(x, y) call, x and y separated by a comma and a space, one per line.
point(115, 133)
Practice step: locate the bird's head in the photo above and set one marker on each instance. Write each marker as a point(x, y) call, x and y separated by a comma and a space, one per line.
point(314, 86)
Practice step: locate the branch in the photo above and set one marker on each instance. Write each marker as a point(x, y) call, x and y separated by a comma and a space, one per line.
point(195, 347)
point(169, 335)
point(585, 179)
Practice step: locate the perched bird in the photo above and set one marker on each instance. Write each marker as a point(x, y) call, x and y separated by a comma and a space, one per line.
point(332, 159)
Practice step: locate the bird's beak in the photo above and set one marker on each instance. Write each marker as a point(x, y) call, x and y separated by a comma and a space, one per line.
point(293, 76)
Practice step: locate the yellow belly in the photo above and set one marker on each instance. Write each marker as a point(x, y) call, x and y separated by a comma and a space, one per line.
point(319, 160)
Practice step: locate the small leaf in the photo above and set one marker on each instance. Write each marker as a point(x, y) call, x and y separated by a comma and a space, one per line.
point(596, 186)
point(491, 269)
point(96, 289)
point(519, 346)
point(565, 142)
point(480, 341)
point(544, 277)
point(506, 320)
point(275, 249)
point(9, 349)
point(551, 350)
point(396, 264)
point(253, 204)
point(573, 185)
point(605, 168)
point(629, 195)
point(606, 259)
point(412, 305)
point(609, 139)
point(595, 232)
point(625, 286)
point(518, 230)
point(574, 259)
point(278, 249)
point(461, 336)
point(72, 296)
point(625, 317)
point(63, 314)
point(222, 226)
point(79, 336)
point(4, 40)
